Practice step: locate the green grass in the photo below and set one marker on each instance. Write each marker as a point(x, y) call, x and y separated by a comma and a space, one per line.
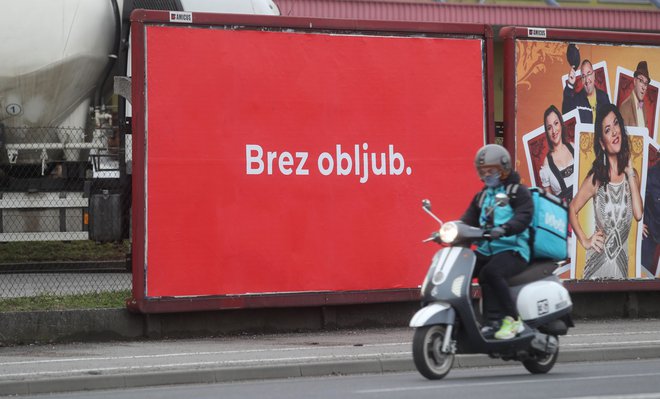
point(115, 299)
point(54, 251)
point(57, 251)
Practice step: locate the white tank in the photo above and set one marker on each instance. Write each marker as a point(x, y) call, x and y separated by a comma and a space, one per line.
point(53, 55)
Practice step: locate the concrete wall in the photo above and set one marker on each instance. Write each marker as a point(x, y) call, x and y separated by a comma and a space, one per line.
point(119, 324)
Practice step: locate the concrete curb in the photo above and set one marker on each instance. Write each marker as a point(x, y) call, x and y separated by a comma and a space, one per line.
point(209, 376)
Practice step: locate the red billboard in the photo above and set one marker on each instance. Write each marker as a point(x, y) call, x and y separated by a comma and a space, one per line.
point(282, 161)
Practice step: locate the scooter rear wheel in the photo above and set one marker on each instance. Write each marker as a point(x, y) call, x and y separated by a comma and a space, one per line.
point(429, 361)
point(541, 365)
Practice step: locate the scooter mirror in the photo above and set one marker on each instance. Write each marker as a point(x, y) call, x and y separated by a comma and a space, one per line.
point(501, 199)
point(426, 204)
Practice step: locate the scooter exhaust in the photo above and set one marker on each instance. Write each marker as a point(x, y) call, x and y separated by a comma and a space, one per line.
point(545, 343)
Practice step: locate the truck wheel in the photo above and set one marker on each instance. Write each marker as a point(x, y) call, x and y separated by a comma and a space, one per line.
point(429, 361)
point(541, 365)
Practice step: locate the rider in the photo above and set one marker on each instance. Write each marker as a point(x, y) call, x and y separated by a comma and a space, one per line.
point(506, 253)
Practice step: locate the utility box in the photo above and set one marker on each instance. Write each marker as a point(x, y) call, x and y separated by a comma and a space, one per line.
point(105, 217)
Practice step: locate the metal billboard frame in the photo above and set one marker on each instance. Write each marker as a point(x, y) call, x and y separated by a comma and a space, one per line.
point(140, 20)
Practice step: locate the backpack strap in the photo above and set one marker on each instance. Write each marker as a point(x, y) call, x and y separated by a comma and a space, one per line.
point(511, 190)
point(482, 197)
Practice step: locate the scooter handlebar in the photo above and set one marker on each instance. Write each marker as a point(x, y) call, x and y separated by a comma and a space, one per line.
point(435, 237)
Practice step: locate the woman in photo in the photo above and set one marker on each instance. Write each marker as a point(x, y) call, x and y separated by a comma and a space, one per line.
point(614, 186)
point(557, 170)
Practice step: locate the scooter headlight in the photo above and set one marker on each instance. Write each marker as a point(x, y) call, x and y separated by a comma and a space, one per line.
point(448, 232)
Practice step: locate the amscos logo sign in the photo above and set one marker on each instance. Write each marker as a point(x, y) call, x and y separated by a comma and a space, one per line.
point(181, 17)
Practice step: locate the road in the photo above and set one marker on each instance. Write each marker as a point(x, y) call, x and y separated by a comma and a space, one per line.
point(71, 367)
point(621, 379)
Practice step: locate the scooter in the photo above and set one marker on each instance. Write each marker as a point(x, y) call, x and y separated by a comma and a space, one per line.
point(447, 324)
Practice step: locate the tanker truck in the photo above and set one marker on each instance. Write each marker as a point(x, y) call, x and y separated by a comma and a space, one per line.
point(65, 140)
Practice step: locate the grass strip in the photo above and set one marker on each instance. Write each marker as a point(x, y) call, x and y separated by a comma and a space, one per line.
point(99, 300)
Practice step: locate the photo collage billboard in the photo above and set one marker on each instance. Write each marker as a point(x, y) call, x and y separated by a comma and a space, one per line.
point(587, 131)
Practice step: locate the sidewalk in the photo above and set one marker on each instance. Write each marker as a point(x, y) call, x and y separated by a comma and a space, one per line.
point(86, 366)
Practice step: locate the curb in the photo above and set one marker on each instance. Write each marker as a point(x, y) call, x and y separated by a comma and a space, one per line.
point(219, 375)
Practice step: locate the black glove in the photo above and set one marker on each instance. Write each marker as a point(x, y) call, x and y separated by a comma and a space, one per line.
point(497, 232)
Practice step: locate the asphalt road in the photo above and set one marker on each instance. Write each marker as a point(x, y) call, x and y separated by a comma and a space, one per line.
point(619, 379)
point(70, 367)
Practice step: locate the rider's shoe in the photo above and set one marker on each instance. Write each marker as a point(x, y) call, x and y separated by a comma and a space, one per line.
point(510, 328)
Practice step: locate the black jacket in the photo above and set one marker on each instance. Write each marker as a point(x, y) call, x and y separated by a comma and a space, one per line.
point(573, 100)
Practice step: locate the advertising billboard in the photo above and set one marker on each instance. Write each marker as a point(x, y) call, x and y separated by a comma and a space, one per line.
point(583, 110)
point(278, 161)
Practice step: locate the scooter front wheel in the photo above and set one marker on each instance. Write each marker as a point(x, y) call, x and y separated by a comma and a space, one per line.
point(427, 355)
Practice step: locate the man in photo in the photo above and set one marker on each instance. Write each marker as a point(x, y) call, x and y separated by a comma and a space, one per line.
point(587, 99)
point(651, 229)
point(632, 108)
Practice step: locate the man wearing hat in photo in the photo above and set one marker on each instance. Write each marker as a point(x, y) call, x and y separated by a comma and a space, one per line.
point(634, 109)
point(586, 100)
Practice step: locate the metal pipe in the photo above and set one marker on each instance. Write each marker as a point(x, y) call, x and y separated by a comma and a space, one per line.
point(56, 146)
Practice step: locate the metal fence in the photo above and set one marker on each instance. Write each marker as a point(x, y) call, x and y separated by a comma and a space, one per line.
point(22, 280)
point(63, 185)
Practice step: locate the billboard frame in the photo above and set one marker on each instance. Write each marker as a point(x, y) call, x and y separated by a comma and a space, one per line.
point(140, 20)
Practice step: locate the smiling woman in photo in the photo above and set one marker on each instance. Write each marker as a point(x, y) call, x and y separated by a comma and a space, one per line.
point(557, 170)
point(614, 186)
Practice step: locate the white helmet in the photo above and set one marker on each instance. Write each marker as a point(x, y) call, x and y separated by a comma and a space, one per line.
point(493, 155)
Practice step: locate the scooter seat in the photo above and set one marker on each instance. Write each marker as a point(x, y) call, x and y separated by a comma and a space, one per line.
point(535, 271)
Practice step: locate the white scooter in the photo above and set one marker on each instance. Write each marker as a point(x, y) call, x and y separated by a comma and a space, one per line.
point(447, 323)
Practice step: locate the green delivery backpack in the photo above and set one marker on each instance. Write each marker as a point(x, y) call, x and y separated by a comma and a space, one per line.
point(548, 232)
point(549, 228)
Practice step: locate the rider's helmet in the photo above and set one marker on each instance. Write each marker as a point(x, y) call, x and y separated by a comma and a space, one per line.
point(493, 158)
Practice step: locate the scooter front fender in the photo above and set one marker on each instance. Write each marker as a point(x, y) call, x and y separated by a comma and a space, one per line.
point(435, 313)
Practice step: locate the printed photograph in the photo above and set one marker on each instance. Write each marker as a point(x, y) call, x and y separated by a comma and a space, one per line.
point(607, 198)
point(550, 152)
point(585, 88)
point(636, 95)
point(650, 243)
